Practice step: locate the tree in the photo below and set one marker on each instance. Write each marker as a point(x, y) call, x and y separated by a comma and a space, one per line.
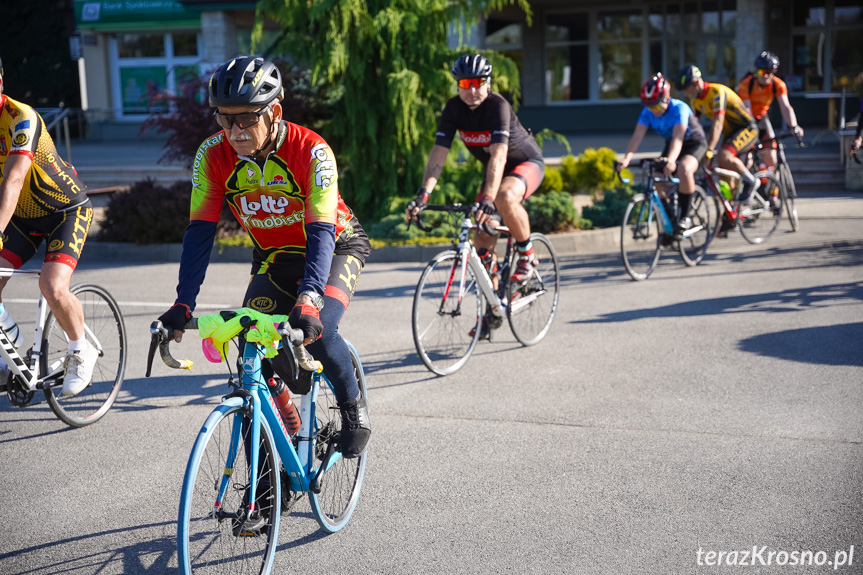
point(390, 62)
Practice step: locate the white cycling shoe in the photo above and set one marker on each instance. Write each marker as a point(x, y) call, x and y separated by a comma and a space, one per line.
point(79, 369)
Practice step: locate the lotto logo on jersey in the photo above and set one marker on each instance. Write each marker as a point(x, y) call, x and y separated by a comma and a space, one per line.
point(475, 138)
point(265, 203)
point(268, 212)
point(325, 169)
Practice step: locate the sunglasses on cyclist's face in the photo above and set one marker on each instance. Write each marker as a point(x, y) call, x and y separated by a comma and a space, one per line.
point(244, 120)
point(468, 83)
point(765, 72)
point(655, 107)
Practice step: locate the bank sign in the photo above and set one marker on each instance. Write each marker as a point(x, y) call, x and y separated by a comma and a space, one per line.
point(106, 11)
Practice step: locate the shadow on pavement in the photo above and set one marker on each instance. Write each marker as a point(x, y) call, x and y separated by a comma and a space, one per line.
point(826, 345)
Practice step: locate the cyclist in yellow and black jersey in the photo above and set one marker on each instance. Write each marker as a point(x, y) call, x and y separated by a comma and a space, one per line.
point(731, 121)
point(41, 198)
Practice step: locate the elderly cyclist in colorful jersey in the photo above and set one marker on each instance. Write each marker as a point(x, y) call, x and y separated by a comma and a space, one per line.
point(758, 90)
point(685, 143)
point(731, 121)
point(41, 198)
point(513, 162)
point(280, 181)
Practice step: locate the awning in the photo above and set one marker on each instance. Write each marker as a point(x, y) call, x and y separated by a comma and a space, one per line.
point(127, 14)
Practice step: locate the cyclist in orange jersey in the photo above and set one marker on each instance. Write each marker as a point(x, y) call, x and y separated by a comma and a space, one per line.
point(758, 90)
point(41, 198)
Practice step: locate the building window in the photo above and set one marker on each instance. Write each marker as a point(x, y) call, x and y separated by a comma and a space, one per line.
point(825, 44)
point(147, 66)
point(601, 54)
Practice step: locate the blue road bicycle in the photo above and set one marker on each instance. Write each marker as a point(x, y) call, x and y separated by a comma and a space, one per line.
point(648, 223)
point(245, 470)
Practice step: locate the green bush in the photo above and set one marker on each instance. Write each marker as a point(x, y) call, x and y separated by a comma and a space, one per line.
point(609, 212)
point(153, 214)
point(591, 172)
point(551, 212)
point(553, 181)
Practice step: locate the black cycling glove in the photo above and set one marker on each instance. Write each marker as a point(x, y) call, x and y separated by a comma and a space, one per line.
point(307, 318)
point(486, 206)
point(420, 201)
point(176, 317)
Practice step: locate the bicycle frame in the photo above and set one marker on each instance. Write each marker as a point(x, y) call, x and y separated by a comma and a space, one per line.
point(710, 178)
point(655, 199)
point(29, 374)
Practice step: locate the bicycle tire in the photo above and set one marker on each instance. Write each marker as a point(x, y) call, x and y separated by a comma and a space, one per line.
point(445, 331)
point(789, 195)
point(103, 319)
point(533, 302)
point(205, 541)
point(340, 486)
point(703, 210)
point(640, 240)
point(758, 218)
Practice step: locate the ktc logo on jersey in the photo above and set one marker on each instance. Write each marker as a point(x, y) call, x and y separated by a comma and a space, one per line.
point(475, 138)
point(325, 170)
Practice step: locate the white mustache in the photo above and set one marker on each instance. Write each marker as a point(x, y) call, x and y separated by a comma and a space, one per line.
point(241, 137)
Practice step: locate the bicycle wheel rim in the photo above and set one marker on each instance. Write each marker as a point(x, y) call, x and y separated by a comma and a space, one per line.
point(206, 544)
point(789, 193)
point(104, 321)
point(693, 244)
point(759, 219)
point(341, 484)
point(640, 238)
point(532, 303)
point(445, 332)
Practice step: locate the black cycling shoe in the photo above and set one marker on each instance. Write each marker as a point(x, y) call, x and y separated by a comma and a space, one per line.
point(356, 428)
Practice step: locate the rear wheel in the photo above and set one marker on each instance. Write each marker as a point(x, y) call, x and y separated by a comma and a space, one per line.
point(759, 218)
point(104, 330)
point(789, 194)
point(533, 302)
point(704, 211)
point(340, 485)
point(640, 237)
point(445, 326)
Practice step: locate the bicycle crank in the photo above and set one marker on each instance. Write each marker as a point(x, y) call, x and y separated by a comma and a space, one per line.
point(18, 394)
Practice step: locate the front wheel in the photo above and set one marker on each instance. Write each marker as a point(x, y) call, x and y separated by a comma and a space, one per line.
point(533, 302)
point(104, 329)
point(703, 211)
point(760, 216)
point(213, 529)
point(789, 194)
point(445, 323)
point(640, 237)
point(341, 482)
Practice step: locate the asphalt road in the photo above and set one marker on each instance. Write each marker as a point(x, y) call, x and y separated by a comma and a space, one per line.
point(709, 409)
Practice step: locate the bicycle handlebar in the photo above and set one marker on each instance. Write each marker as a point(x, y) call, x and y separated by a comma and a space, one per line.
point(453, 209)
point(161, 337)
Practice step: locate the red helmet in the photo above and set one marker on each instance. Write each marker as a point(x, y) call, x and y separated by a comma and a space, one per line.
point(655, 90)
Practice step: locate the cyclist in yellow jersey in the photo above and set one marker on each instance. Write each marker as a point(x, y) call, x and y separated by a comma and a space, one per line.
point(41, 197)
point(731, 121)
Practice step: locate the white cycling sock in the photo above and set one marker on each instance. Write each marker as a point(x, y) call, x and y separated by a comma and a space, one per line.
point(77, 344)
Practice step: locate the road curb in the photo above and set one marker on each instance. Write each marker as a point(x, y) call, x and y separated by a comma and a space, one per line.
point(577, 242)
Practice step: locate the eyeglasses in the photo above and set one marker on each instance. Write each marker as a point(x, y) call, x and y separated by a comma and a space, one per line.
point(655, 107)
point(765, 72)
point(468, 83)
point(244, 120)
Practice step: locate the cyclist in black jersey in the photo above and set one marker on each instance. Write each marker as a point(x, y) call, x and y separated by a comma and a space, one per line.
point(41, 198)
point(513, 162)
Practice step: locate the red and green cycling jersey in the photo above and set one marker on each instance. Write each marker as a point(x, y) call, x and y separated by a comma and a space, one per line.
point(298, 185)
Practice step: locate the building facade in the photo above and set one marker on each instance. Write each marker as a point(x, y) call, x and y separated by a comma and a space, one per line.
point(582, 61)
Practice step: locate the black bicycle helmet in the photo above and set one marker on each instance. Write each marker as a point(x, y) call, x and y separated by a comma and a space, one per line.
point(687, 76)
point(245, 81)
point(471, 66)
point(655, 90)
point(767, 61)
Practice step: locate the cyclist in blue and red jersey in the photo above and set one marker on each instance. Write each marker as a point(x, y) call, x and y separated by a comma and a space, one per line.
point(281, 183)
point(42, 199)
point(513, 162)
point(685, 143)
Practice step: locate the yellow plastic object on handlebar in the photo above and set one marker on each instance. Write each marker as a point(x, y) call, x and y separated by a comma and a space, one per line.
point(220, 331)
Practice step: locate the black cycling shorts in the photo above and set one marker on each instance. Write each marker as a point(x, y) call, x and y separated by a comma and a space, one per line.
point(694, 148)
point(64, 231)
